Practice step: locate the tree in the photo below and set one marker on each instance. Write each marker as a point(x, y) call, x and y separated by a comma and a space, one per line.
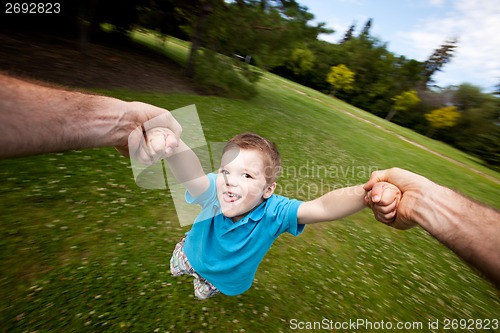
point(442, 118)
point(438, 59)
point(497, 89)
point(375, 69)
point(301, 61)
point(341, 78)
point(477, 131)
point(365, 33)
point(198, 13)
point(403, 102)
point(163, 17)
point(349, 34)
point(265, 30)
point(467, 96)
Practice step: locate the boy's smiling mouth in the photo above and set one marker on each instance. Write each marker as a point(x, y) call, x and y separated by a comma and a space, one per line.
point(230, 196)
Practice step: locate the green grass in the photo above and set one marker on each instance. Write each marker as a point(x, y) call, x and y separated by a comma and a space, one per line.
point(174, 48)
point(83, 249)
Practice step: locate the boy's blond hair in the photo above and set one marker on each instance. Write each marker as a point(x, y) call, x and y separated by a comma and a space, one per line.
point(272, 158)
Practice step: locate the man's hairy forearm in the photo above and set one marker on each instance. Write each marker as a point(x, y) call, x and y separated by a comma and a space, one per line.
point(39, 119)
point(469, 229)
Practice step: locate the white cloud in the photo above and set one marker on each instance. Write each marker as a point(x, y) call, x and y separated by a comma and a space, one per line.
point(436, 3)
point(477, 26)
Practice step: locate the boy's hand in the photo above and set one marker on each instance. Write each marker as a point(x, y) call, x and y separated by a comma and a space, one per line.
point(162, 142)
point(384, 201)
point(151, 146)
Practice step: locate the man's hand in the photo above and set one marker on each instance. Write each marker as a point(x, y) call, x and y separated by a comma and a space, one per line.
point(412, 187)
point(155, 136)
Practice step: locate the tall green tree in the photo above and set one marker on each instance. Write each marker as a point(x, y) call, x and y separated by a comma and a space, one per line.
point(264, 30)
point(349, 34)
point(375, 71)
point(365, 32)
point(438, 59)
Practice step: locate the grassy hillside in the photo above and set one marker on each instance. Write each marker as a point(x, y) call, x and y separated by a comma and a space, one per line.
point(83, 248)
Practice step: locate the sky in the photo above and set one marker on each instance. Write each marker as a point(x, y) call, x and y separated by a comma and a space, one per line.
point(415, 28)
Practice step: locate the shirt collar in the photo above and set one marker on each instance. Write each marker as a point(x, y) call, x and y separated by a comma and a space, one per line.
point(255, 216)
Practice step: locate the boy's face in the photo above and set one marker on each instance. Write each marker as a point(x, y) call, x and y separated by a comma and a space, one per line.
point(241, 182)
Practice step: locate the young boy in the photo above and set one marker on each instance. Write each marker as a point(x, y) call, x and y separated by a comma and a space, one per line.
point(241, 217)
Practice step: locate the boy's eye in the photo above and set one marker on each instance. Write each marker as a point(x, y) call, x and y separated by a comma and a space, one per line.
point(246, 175)
point(224, 172)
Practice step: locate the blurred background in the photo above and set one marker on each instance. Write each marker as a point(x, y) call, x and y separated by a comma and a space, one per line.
point(83, 248)
point(282, 37)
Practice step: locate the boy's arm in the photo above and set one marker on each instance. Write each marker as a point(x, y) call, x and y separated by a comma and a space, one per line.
point(333, 205)
point(187, 169)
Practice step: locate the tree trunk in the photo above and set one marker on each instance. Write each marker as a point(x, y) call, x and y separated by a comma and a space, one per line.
point(83, 35)
point(430, 132)
point(86, 14)
point(196, 40)
point(390, 115)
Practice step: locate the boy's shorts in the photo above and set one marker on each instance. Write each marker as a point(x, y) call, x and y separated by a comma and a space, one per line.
point(179, 265)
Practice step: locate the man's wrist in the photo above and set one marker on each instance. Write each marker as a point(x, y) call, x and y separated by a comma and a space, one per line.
point(435, 209)
point(111, 126)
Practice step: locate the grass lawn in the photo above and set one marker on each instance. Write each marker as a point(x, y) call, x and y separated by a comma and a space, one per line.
point(84, 249)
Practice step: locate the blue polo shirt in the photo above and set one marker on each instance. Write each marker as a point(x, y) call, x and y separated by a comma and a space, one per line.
point(227, 253)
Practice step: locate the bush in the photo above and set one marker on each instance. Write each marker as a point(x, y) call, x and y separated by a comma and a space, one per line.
point(224, 76)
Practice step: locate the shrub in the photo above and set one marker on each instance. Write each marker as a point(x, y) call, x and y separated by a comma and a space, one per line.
point(224, 76)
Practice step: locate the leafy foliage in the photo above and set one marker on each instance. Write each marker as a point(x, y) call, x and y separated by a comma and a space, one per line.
point(444, 117)
point(220, 75)
point(301, 61)
point(403, 102)
point(340, 77)
point(478, 130)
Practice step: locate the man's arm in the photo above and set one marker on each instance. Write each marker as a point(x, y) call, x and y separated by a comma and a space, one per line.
point(470, 229)
point(38, 119)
